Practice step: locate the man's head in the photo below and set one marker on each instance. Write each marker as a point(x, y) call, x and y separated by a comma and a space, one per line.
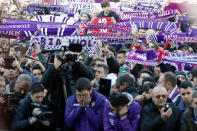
point(83, 89)
point(118, 101)
point(101, 71)
point(2, 84)
point(148, 90)
point(168, 80)
point(142, 74)
point(22, 85)
point(142, 33)
point(98, 60)
point(37, 92)
point(121, 56)
point(105, 6)
point(186, 92)
point(37, 72)
point(159, 96)
point(14, 14)
point(124, 81)
point(85, 17)
point(181, 75)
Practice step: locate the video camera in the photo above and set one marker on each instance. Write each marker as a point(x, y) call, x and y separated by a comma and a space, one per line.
point(11, 98)
point(45, 114)
point(68, 57)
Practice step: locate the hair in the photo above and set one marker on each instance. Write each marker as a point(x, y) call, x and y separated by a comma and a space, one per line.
point(122, 52)
point(186, 84)
point(118, 99)
point(83, 84)
point(36, 67)
point(112, 49)
point(149, 79)
point(151, 85)
point(24, 77)
point(105, 3)
point(36, 88)
point(159, 88)
point(194, 95)
point(126, 78)
point(170, 77)
point(97, 59)
point(104, 66)
point(145, 71)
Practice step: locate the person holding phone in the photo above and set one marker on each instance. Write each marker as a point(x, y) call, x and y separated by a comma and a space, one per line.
point(155, 117)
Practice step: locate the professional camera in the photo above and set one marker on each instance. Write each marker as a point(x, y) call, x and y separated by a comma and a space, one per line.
point(11, 98)
point(45, 114)
point(60, 54)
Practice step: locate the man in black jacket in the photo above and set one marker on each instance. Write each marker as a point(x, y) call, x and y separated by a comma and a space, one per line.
point(107, 11)
point(28, 117)
point(125, 83)
point(159, 117)
point(60, 79)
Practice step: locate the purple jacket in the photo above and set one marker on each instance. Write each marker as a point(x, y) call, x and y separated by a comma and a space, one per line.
point(112, 121)
point(79, 119)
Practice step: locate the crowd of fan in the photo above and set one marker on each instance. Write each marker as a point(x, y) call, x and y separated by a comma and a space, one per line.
point(75, 95)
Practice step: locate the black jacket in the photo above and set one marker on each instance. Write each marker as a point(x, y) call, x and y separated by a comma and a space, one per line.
point(111, 14)
point(24, 112)
point(113, 65)
point(151, 119)
point(131, 90)
point(81, 70)
point(52, 79)
point(189, 118)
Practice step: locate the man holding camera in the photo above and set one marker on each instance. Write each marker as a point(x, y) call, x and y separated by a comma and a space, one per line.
point(159, 115)
point(33, 111)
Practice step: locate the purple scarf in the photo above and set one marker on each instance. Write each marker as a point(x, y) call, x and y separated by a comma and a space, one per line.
point(18, 27)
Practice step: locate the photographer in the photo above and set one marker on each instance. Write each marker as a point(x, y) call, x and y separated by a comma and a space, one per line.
point(122, 113)
point(159, 116)
point(31, 118)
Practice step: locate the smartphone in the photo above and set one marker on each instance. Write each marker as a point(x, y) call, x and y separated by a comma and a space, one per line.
point(167, 106)
point(123, 70)
point(8, 62)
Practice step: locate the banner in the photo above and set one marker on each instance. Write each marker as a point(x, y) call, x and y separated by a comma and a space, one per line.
point(53, 8)
point(18, 27)
point(53, 43)
point(160, 2)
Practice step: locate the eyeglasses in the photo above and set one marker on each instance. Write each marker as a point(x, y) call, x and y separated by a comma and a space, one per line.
point(159, 96)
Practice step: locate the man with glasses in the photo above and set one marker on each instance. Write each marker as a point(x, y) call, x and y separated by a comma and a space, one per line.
point(84, 110)
point(159, 117)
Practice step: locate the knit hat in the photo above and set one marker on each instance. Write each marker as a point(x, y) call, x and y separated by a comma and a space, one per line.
point(182, 73)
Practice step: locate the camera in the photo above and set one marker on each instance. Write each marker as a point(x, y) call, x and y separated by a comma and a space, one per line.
point(167, 106)
point(45, 114)
point(11, 98)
